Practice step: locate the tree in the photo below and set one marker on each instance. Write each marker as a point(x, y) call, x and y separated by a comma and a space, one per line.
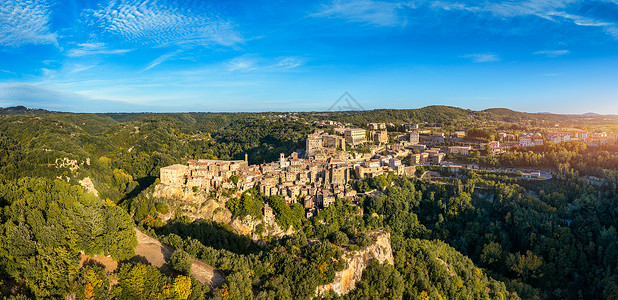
point(527, 266)
point(181, 261)
point(339, 238)
point(363, 240)
point(182, 287)
point(492, 253)
point(139, 281)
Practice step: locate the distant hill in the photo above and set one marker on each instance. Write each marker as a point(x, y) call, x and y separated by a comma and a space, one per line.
point(21, 110)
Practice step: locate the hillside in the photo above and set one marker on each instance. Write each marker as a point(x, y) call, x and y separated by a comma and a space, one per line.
point(466, 234)
point(21, 110)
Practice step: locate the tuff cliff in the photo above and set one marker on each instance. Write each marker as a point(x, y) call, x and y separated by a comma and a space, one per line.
point(356, 262)
point(202, 205)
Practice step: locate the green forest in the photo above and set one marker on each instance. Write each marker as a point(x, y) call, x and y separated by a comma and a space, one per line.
point(471, 235)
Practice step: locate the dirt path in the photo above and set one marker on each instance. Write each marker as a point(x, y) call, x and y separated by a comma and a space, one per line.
point(158, 255)
point(107, 262)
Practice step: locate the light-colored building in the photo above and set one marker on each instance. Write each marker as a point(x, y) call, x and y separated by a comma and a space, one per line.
point(339, 175)
point(460, 134)
point(377, 126)
point(268, 212)
point(436, 158)
point(174, 175)
point(362, 171)
point(526, 141)
point(355, 136)
point(416, 158)
point(373, 163)
point(414, 138)
point(319, 143)
point(380, 137)
point(393, 163)
point(459, 150)
point(419, 147)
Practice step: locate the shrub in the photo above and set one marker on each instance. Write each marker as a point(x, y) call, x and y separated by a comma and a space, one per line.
point(181, 261)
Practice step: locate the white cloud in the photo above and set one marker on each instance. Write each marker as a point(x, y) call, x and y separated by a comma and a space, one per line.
point(94, 49)
point(552, 53)
point(483, 57)
point(242, 63)
point(160, 60)
point(25, 22)
point(553, 10)
point(366, 11)
point(80, 68)
point(160, 22)
point(579, 20)
point(248, 62)
point(289, 63)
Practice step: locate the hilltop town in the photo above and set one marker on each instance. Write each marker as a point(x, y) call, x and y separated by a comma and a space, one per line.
point(338, 154)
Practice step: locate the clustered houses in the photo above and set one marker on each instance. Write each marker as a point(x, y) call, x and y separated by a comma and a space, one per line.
point(313, 181)
point(530, 139)
point(591, 139)
point(432, 155)
point(377, 126)
point(321, 145)
point(207, 173)
point(317, 179)
point(533, 139)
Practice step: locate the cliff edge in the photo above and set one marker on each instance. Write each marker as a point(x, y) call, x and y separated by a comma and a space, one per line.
point(356, 262)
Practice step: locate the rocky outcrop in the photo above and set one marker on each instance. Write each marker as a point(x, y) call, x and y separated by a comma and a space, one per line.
point(356, 262)
point(199, 205)
point(87, 184)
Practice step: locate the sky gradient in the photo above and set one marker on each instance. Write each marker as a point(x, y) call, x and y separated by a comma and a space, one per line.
point(177, 56)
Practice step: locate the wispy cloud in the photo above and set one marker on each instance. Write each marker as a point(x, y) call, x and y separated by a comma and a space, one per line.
point(159, 60)
point(552, 53)
point(552, 10)
point(163, 22)
point(25, 22)
point(248, 63)
point(289, 63)
point(94, 49)
point(80, 68)
point(483, 57)
point(242, 63)
point(367, 11)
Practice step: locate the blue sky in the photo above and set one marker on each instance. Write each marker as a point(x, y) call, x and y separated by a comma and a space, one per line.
point(191, 55)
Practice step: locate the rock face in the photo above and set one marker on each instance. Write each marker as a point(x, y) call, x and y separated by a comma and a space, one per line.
point(356, 262)
point(89, 186)
point(199, 206)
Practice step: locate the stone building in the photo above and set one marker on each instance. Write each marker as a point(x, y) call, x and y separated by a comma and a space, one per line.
point(380, 137)
point(319, 143)
point(174, 175)
point(355, 136)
